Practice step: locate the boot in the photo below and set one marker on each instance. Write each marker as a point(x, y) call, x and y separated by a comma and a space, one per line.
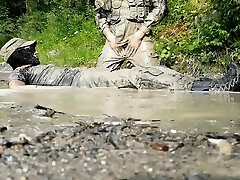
point(229, 82)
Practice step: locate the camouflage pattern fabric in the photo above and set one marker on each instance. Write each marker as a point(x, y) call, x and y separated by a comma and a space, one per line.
point(139, 78)
point(5, 70)
point(124, 18)
point(122, 15)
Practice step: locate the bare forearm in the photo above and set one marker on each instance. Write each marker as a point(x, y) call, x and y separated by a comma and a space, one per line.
point(13, 84)
point(108, 34)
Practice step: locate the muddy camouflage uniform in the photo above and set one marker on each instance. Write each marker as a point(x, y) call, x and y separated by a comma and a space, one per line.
point(18, 53)
point(137, 77)
point(158, 77)
point(124, 18)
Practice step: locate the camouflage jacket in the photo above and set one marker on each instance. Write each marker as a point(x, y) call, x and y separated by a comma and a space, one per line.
point(121, 14)
point(138, 78)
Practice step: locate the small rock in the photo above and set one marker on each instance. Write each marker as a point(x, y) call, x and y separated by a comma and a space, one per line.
point(53, 163)
point(160, 147)
point(25, 168)
point(24, 136)
point(223, 145)
point(173, 131)
point(103, 162)
point(1, 150)
point(3, 128)
point(23, 178)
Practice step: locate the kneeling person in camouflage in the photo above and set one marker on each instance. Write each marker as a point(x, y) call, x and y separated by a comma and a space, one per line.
point(21, 55)
point(127, 25)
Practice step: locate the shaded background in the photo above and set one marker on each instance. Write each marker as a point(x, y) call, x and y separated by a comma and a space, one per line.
point(197, 35)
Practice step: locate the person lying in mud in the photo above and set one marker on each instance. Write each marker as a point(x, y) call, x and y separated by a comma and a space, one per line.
point(22, 57)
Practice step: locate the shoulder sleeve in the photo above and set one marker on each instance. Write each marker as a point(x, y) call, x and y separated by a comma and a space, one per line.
point(21, 75)
point(101, 9)
point(158, 12)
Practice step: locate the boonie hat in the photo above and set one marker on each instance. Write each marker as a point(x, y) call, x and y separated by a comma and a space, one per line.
point(12, 45)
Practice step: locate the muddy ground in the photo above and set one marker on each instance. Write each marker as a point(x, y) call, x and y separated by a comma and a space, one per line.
point(108, 148)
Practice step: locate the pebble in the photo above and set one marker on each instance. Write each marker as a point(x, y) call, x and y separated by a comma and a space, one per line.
point(103, 170)
point(173, 131)
point(223, 145)
point(150, 170)
point(23, 178)
point(103, 162)
point(25, 169)
point(1, 150)
point(160, 147)
point(24, 136)
point(53, 163)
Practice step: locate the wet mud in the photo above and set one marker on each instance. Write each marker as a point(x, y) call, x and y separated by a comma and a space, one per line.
point(42, 143)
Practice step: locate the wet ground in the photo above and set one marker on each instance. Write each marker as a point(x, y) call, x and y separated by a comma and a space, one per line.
point(73, 133)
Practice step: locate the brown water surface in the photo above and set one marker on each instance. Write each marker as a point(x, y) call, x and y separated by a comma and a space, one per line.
point(192, 111)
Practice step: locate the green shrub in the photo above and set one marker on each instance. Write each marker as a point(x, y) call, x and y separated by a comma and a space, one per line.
point(199, 33)
point(196, 35)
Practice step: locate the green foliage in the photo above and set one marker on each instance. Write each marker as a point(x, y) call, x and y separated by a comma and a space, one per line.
point(9, 11)
point(65, 31)
point(76, 49)
point(199, 32)
point(196, 33)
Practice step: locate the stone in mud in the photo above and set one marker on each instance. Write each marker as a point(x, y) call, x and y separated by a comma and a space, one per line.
point(223, 145)
point(1, 150)
point(3, 128)
point(197, 176)
point(160, 147)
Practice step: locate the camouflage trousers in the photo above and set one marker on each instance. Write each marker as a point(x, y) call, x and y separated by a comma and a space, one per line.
point(158, 77)
point(145, 56)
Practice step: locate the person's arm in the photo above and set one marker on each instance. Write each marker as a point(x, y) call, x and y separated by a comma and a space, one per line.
point(17, 78)
point(101, 8)
point(112, 42)
point(13, 84)
point(101, 11)
point(159, 10)
point(134, 43)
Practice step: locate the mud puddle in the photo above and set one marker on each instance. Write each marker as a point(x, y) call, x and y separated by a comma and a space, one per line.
point(183, 111)
point(118, 134)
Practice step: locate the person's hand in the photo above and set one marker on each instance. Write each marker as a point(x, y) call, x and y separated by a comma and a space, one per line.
point(135, 42)
point(23, 67)
point(112, 42)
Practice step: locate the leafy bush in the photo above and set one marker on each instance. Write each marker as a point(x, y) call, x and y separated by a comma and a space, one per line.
point(199, 33)
point(196, 34)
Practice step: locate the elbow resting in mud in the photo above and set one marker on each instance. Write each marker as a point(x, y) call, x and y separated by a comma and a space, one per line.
point(15, 84)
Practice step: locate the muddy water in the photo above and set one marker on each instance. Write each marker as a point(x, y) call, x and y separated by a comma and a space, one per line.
point(176, 113)
point(170, 110)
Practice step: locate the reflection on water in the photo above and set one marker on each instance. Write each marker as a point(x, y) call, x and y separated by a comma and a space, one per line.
point(206, 111)
point(3, 85)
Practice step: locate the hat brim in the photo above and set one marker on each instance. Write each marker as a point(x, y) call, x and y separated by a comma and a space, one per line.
point(29, 43)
